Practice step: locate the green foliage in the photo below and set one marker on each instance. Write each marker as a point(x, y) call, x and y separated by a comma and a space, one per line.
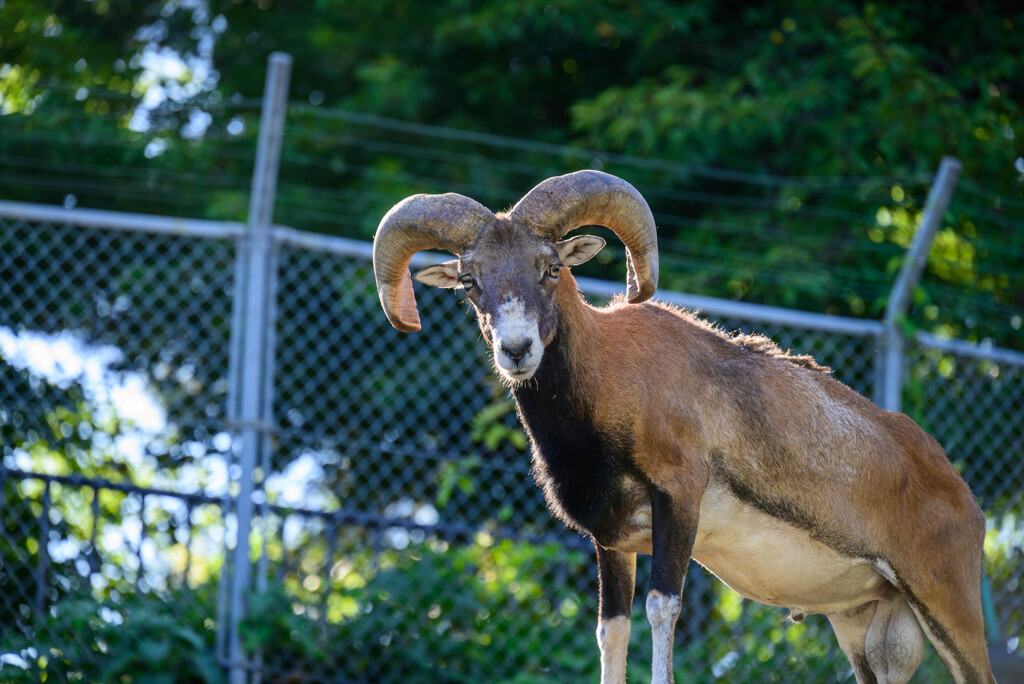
point(833, 89)
point(142, 639)
point(268, 621)
point(484, 611)
point(437, 613)
point(489, 611)
point(830, 88)
point(455, 474)
point(490, 426)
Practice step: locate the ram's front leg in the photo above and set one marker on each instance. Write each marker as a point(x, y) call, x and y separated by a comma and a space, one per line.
point(673, 529)
point(616, 576)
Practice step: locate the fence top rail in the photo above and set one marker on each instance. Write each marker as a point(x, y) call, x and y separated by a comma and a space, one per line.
point(336, 517)
point(117, 220)
point(366, 519)
point(762, 313)
point(987, 352)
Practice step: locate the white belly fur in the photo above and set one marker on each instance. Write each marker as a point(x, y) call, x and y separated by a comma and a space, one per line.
point(770, 561)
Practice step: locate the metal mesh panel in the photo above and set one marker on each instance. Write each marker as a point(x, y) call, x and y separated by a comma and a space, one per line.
point(156, 304)
point(344, 377)
point(115, 354)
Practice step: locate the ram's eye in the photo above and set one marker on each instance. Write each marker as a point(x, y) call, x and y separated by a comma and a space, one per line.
point(467, 281)
point(553, 270)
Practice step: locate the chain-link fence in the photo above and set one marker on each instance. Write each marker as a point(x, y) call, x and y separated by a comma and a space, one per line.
point(394, 529)
point(400, 532)
point(112, 408)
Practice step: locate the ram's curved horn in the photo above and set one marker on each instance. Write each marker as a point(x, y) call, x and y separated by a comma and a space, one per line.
point(584, 198)
point(450, 222)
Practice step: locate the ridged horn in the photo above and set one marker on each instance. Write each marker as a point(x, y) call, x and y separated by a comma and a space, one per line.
point(450, 222)
point(594, 198)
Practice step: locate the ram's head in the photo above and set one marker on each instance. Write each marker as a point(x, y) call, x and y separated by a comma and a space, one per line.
point(509, 263)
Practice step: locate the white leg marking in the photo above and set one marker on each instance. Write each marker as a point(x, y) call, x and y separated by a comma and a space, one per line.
point(613, 640)
point(662, 612)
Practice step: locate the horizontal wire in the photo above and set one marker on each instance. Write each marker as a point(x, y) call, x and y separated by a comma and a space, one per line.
point(787, 231)
point(952, 298)
point(102, 91)
point(746, 260)
point(417, 151)
point(68, 121)
point(84, 142)
point(413, 179)
point(75, 187)
point(642, 162)
point(185, 178)
point(446, 155)
point(986, 249)
point(333, 194)
point(729, 269)
point(975, 189)
point(987, 214)
point(781, 275)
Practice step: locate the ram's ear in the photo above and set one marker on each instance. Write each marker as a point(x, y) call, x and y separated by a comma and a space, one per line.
point(579, 250)
point(444, 275)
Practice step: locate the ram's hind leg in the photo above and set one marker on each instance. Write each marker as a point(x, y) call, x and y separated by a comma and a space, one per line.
point(851, 630)
point(942, 585)
point(882, 639)
point(952, 618)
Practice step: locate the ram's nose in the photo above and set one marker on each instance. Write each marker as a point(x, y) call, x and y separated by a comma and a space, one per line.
point(516, 351)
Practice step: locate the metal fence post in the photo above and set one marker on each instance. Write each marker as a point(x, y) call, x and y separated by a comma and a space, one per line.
point(253, 298)
point(914, 262)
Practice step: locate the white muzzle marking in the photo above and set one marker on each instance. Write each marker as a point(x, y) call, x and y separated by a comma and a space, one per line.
point(512, 330)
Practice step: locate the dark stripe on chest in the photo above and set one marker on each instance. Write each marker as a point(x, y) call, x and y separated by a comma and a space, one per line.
point(581, 466)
